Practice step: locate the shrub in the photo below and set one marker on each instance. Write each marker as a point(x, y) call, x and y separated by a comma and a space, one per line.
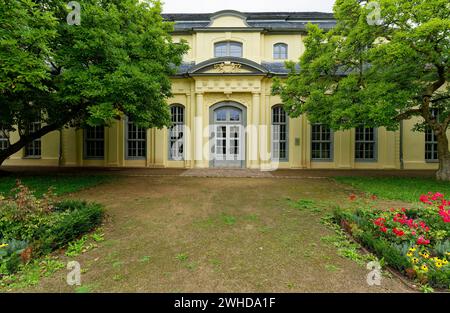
point(46, 224)
point(10, 255)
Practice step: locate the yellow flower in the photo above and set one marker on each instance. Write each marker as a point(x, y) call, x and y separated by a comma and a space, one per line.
point(426, 255)
point(439, 264)
point(3, 245)
point(415, 260)
point(410, 254)
point(445, 262)
point(424, 268)
point(412, 249)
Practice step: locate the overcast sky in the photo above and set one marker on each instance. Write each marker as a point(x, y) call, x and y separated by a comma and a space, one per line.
point(208, 6)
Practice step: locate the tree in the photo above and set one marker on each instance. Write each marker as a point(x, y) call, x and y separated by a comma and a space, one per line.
point(118, 60)
point(377, 72)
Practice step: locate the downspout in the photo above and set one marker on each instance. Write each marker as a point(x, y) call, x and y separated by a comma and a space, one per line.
point(60, 148)
point(402, 164)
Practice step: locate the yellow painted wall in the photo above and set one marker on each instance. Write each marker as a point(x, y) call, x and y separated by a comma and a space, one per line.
point(198, 94)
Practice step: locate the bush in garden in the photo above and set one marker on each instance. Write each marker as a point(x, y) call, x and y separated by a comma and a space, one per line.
point(415, 241)
point(10, 255)
point(45, 224)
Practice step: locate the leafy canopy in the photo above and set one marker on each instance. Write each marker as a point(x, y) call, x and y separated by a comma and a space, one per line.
point(374, 73)
point(118, 60)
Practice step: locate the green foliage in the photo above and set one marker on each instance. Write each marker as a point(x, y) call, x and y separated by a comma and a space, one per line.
point(31, 273)
point(45, 223)
point(375, 75)
point(118, 60)
point(182, 257)
point(421, 250)
point(10, 252)
point(61, 184)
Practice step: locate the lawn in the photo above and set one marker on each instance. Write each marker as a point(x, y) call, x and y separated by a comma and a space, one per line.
point(191, 234)
point(407, 189)
point(61, 184)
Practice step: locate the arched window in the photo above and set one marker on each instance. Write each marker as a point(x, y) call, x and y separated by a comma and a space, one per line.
point(176, 133)
point(280, 51)
point(279, 134)
point(228, 49)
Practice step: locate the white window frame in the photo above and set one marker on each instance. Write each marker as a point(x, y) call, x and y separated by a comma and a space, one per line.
point(431, 144)
point(228, 45)
point(135, 131)
point(278, 53)
point(277, 114)
point(364, 142)
point(95, 140)
point(34, 148)
point(175, 142)
point(4, 139)
point(321, 142)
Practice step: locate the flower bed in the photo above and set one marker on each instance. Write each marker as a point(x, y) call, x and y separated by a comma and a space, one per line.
point(32, 227)
point(415, 241)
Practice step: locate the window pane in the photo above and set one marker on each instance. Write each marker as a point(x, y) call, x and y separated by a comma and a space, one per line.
point(279, 134)
point(95, 142)
point(321, 142)
point(136, 141)
point(229, 48)
point(365, 143)
point(176, 134)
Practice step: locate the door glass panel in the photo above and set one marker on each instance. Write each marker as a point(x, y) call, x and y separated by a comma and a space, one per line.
point(235, 115)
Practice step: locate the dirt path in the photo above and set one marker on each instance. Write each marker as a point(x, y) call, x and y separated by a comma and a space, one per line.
point(193, 234)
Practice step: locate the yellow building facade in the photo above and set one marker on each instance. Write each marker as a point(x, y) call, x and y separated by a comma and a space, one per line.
point(224, 115)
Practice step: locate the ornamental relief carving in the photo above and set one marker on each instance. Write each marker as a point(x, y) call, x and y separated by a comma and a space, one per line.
point(227, 67)
point(227, 85)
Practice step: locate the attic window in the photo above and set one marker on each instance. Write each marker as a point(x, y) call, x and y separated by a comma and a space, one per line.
point(228, 49)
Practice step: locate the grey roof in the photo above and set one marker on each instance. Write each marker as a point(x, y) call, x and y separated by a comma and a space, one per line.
point(271, 21)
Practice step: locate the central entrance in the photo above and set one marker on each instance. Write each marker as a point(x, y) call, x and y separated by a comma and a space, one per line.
point(227, 120)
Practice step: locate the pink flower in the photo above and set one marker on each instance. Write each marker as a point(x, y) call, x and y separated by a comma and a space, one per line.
point(425, 199)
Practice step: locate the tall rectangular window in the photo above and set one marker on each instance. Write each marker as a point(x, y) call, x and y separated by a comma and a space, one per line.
point(279, 134)
point(431, 144)
point(136, 146)
point(365, 144)
point(4, 139)
point(33, 149)
point(94, 142)
point(176, 134)
point(321, 142)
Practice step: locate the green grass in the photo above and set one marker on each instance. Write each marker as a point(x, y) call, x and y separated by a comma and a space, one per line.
point(406, 189)
point(62, 184)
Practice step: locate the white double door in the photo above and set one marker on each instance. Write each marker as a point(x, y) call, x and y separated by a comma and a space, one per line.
point(229, 145)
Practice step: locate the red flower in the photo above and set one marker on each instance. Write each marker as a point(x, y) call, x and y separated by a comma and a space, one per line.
point(423, 241)
point(373, 197)
point(425, 199)
point(352, 197)
point(383, 229)
point(398, 232)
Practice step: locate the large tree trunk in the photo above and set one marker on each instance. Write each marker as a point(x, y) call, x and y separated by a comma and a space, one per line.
point(444, 157)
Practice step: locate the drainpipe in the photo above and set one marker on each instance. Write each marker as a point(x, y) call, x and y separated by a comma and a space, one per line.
point(60, 148)
point(402, 165)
